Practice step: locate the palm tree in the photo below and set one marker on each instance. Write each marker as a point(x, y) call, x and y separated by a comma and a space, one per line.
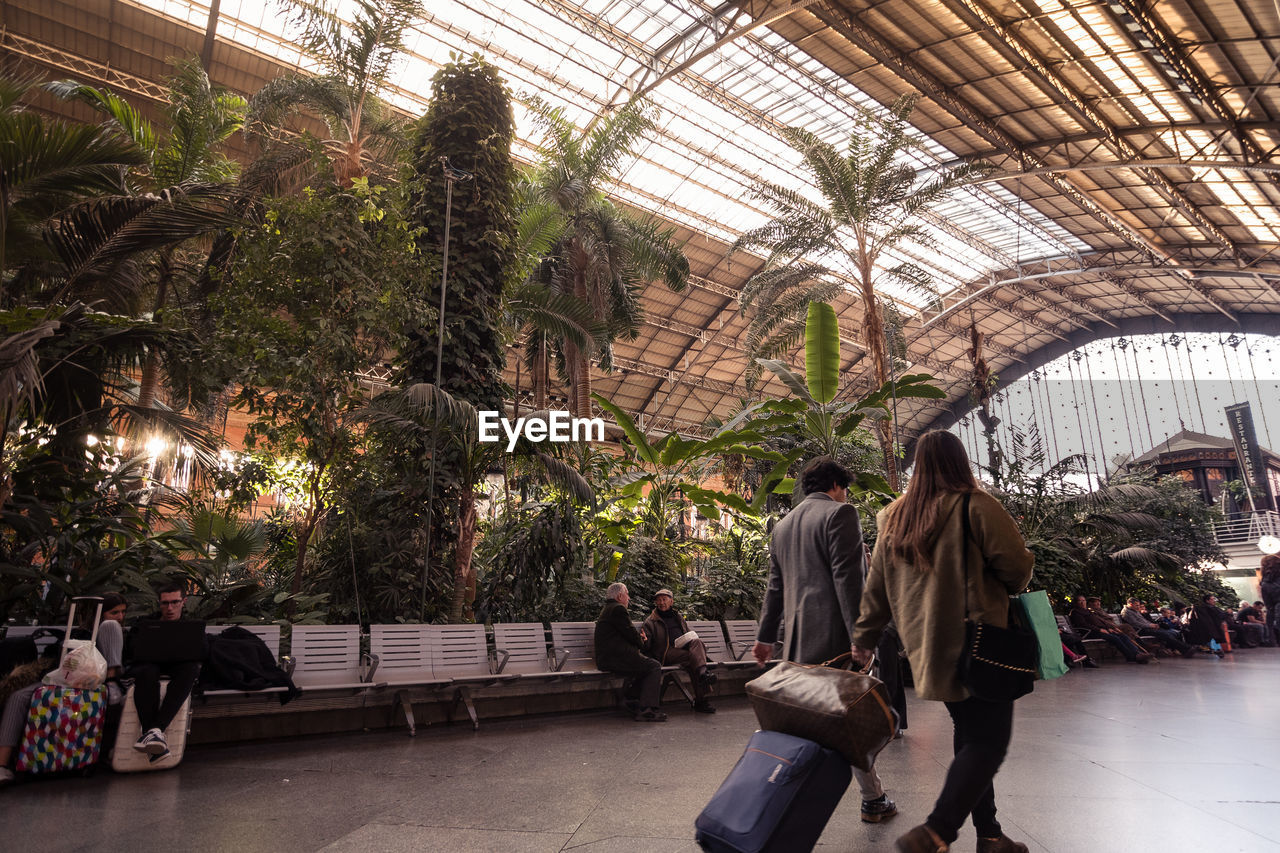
point(873, 203)
point(356, 59)
point(45, 167)
point(601, 255)
point(185, 169)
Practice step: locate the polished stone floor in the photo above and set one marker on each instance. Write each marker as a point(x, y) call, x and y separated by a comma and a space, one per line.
point(1179, 756)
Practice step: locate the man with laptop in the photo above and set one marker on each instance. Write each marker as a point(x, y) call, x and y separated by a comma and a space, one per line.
point(170, 647)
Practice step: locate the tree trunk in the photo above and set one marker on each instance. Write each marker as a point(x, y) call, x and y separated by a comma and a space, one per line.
point(873, 333)
point(151, 366)
point(464, 575)
point(541, 377)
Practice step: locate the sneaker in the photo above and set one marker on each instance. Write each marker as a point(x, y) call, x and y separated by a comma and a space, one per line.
point(1145, 657)
point(1089, 663)
point(651, 715)
point(1003, 844)
point(158, 756)
point(881, 808)
point(6, 776)
point(152, 742)
point(921, 839)
point(704, 707)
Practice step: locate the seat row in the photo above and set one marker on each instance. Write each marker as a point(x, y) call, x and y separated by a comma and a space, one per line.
point(452, 659)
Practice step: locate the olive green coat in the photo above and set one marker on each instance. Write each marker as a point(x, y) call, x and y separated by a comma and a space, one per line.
point(929, 607)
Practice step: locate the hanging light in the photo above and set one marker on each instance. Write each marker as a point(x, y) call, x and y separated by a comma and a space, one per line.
point(1269, 545)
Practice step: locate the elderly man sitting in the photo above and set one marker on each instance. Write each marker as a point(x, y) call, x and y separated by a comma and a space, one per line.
point(665, 631)
point(619, 648)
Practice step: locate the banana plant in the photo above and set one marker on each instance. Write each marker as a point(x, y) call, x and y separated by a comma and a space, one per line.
point(673, 465)
point(813, 411)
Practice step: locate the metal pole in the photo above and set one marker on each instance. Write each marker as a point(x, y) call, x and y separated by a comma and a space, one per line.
point(451, 175)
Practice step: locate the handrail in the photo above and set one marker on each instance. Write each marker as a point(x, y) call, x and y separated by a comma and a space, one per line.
point(1248, 528)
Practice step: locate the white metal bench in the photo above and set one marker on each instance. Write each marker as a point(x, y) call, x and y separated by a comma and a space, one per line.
point(327, 657)
point(521, 648)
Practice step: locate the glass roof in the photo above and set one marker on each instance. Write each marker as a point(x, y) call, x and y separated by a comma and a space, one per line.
point(718, 128)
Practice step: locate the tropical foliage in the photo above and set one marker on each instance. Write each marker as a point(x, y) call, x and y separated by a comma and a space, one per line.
point(599, 253)
point(874, 200)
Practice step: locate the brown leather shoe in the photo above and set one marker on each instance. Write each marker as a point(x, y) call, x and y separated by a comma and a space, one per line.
point(1145, 657)
point(1003, 844)
point(921, 839)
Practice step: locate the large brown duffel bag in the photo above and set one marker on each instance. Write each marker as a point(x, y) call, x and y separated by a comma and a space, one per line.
point(840, 709)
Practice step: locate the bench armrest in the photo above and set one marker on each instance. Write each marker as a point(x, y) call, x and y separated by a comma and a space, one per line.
point(501, 657)
point(368, 665)
point(561, 656)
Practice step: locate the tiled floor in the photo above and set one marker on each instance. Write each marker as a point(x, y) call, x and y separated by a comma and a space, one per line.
point(1179, 756)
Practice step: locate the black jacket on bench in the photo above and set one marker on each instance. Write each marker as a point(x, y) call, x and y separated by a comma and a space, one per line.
point(239, 660)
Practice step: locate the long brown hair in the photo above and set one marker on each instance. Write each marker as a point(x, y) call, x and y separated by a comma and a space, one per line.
point(942, 468)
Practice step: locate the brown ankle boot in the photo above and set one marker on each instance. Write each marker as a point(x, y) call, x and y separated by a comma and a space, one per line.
point(1003, 844)
point(921, 839)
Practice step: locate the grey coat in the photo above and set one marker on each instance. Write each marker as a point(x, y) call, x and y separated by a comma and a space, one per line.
point(815, 580)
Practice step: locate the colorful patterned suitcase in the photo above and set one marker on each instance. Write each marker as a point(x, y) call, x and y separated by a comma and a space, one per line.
point(64, 729)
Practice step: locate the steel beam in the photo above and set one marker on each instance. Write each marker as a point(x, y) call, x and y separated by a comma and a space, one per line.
point(982, 16)
point(858, 33)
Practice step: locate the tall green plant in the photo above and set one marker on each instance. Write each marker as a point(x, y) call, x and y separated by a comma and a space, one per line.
point(469, 126)
point(600, 254)
point(813, 412)
point(874, 200)
point(317, 295)
point(356, 60)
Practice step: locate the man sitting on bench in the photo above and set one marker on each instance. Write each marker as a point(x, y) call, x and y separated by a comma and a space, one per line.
point(155, 715)
point(665, 629)
point(618, 649)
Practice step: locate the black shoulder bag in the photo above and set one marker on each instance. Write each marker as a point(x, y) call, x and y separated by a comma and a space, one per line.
point(997, 664)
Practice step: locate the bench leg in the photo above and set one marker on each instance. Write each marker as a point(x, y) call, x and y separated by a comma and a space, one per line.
point(402, 701)
point(462, 696)
point(670, 678)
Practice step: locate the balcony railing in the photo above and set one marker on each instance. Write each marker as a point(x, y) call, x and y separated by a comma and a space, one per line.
point(1247, 529)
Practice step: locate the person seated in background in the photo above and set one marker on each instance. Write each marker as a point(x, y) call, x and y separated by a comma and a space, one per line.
point(619, 649)
point(1252, 628)
point(1169, 621)
point(1134, 614)
point(1268, 635)
point(1091, 625)
point(663, 631)
point(154, 714)
point(1205, 623)
point(110, 643)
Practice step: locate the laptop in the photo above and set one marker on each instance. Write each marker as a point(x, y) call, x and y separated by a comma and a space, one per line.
point(168, 642)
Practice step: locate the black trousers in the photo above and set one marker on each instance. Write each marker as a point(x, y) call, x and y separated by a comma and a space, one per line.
point(890, 663)
point(152, 712)
point(644, 675)
point(981, 739)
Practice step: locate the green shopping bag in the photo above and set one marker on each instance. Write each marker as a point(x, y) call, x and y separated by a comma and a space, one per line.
point(1037, 616)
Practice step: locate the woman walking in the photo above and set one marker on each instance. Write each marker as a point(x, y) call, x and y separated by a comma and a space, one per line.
point(929, 571)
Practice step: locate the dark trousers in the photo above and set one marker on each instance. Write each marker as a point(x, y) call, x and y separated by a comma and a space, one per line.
point(1123, 644)
point(890, 668)
point(1168, 639)
point(152, 712)
point(981, 739)
point(644, 679)
point(693, 660)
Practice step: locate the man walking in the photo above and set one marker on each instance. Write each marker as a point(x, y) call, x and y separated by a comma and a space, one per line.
point(815, 587)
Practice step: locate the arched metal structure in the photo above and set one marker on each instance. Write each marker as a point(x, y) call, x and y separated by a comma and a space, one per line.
point(1136, 149)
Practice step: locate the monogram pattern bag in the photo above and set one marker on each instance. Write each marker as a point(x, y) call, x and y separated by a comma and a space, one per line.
point(849, 712)
point(997, 664)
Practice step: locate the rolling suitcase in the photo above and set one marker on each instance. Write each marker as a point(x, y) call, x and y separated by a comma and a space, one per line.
point(126, 759)
point(777, 799)
point(64, 724)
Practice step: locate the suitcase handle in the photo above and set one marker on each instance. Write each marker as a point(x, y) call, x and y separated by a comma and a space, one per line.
point(71, 619)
